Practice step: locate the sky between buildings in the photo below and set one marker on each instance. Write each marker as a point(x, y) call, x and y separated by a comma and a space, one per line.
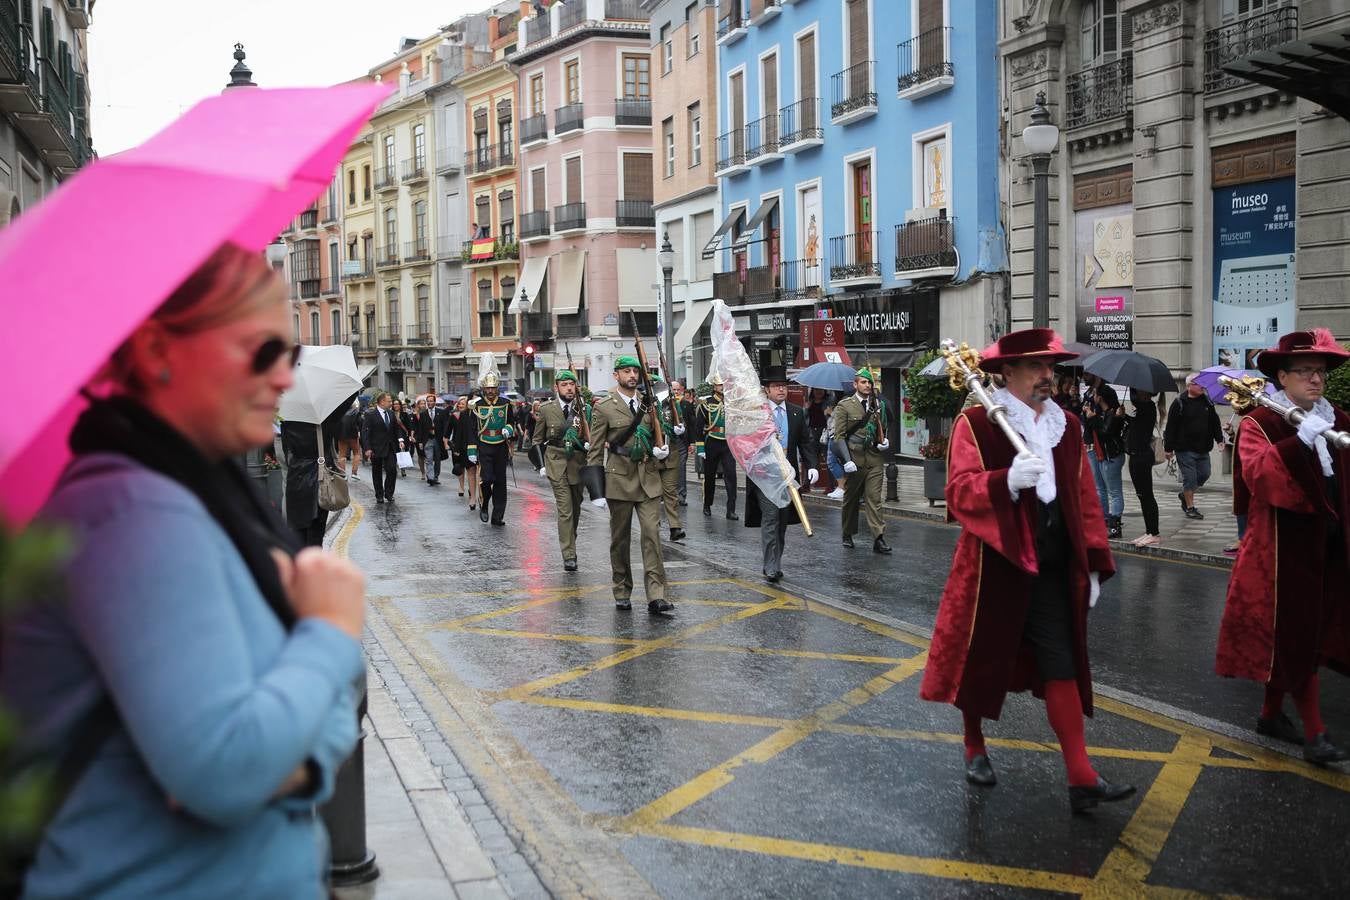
point(150, 60)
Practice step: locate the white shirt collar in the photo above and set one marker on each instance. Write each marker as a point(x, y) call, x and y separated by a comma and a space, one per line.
point(1041, 433)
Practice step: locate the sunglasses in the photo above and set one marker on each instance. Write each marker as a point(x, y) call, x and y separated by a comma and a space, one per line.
point(272, 350)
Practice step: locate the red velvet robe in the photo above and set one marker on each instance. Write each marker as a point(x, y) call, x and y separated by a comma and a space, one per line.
point(1288, 605)
point(977, 654)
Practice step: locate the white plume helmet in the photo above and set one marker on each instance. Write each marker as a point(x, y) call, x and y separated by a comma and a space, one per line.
point(487, 370)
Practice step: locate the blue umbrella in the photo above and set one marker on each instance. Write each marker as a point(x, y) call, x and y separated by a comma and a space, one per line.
point(829, 376)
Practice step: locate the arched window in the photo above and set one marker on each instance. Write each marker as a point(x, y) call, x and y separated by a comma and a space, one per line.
point(424, 308)
point(314, 336)
point(420, 220)
point(1104, 32)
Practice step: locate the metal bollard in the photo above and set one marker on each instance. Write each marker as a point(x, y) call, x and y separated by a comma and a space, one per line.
point(345, 814)
point(892, 481)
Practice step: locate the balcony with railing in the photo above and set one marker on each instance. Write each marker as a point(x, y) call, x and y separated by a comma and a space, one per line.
point(305, 289)
point(926, 248)
point(761, 140)
point(55, 132)
point(633, 111)
point(732, 21)
point(925, 64)
point(799, 126)
point(449, 160)
point(331, 286)
point(417, 251)
point(419, 335)
point(78, 13)
point(506, 155)
point(414, 170)
point(571, 14)
point(854, 93)
point(385, 257)
point(568, 118)
point(537, 28)
point(534, 224)
point(449, 339)
point(386, 178)
point(1100, 94)
point(802, 279)
point(534, 129)
point(626, 10)
point(751, 284)
point(308, 220)
point(20, 66)
point(448, 247)
point(337, 339)
point(537, 326)
point(572, 327)
point(328, 213)
point(363, 342)
point(855, 259)
point(487, 160)
point(569, 217)
point(731, 153)
point(391, 336)
point(502, 251)
point(1254, 34)
point(357, 270)
point(634, 214)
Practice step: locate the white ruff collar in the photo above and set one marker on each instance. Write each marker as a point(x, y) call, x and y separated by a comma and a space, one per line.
point(1323, 410)
point(1041, 434)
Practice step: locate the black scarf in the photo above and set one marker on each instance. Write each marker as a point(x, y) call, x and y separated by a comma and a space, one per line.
point(121, 425)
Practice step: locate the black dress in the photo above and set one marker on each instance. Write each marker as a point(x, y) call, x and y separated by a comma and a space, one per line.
point(300, 444)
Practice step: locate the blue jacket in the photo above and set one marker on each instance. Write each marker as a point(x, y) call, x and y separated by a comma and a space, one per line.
point(217, 704)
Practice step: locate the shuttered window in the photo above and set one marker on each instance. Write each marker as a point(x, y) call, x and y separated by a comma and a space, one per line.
point(769, 79)
point(637, 176)
point(737, 102)
point(806, 67)
point(932, 49)
point(859, 48)
point(483, 207)
point(573, 168)
point(538, 191)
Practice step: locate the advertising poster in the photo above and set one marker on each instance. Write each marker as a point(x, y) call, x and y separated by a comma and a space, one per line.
point(913, 430)
point(1254, 299)
point(1104, 241)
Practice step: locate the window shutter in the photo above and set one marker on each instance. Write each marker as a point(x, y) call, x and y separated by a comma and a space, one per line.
point(858, 47)
point(506, 204)
point(770, 82)
point(737, 101)
point(806, 67)
point(637, 176)
point(540, 195)
point(574, 179)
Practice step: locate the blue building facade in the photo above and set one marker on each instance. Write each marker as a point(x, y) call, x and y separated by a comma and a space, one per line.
point(858, 157)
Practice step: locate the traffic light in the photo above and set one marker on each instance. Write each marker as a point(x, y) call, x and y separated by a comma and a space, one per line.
point(528, 353)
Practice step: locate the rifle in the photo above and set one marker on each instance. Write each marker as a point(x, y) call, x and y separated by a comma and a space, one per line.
point(875, 416)
point(582, 425)
point(658, 435)
point(665, 373)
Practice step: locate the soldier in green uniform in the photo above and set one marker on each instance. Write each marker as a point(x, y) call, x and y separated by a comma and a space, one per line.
point(559, 453)
point(491, 449)
point(632, 484)
point(861, 425)
point(670, 468)
point(712, 439)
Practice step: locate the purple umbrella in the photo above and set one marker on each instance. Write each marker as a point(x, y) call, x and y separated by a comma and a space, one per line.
point(1209, 380)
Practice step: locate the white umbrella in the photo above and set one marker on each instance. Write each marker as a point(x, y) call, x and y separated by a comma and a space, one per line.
point(325, 377)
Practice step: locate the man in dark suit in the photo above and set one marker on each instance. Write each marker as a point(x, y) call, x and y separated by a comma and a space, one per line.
point(430, 434)
point(794, 437)
point(379, 435)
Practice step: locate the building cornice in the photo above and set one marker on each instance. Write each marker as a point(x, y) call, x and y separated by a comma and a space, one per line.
point(1048, 37)
point(638, 31)
point(703, 191)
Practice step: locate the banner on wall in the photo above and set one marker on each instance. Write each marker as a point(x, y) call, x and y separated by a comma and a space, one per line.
point(1254, 287)
point(1104, 244)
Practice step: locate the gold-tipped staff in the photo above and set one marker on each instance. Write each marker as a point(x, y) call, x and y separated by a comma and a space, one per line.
point(1248, 392)
point(790, 477)
point(963, 373)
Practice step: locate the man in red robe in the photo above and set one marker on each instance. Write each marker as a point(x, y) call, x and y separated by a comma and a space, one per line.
point(1288, 607)
point(1028, 565)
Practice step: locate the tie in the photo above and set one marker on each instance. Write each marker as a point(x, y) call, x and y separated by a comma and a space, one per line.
point(567, 412)
point(632, 405)
point(386, 418)
point(780, 422)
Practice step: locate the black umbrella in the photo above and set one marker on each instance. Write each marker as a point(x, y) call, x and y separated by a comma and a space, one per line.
point(1132, 370)
point(1084, 351)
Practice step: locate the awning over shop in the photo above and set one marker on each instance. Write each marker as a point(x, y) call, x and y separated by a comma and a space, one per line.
point(571, 274)
point(531, 281)
point(1316, 67)
point(696, 314)
point(710, 248)
point(748, 232)
point(637, 273)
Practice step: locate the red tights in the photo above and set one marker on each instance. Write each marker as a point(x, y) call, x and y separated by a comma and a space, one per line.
point(1064, 709)
point(1307, 700)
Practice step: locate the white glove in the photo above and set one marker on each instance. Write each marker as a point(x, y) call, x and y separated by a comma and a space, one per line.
point(508, 432)
point(1094, 588)
point(812, 476)
point(850, 467)
point(1311, 426)
point(679, 430)
point(884, 444)
point(600, 504)
point(1026, 470)
point(660, 452)
point(586, 446)
point(543, 471)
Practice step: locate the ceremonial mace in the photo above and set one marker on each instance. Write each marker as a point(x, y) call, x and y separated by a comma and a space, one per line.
point(1248, 392)
point(963, 372)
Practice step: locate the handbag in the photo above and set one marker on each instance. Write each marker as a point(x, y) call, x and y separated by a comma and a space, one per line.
point(404, 459)
point(1156, 445)
point(334, 493)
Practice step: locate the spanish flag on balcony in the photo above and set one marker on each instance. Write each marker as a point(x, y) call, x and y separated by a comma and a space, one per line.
point(481, 249)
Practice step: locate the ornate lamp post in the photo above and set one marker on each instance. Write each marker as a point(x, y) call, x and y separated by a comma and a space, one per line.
point(1041, 138)
point(665, 257)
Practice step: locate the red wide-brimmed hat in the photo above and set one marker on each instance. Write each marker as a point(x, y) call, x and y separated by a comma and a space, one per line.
point(1317, 342)
point(1030, 343)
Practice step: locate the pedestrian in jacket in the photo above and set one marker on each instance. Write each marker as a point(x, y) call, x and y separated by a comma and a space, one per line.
point(300, 443)
point(381, 435)
point(1193, 428)
point(1139, 435)
point(1104, 429)
point(431, 431)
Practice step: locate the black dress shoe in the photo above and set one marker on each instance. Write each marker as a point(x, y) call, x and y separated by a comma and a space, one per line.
point(677, 534)
point(1322, 751)
point(483, 514)
point(733, 517)
point(1085, 798)
point(980, 771)
point(1279, 727)
point(880, 546)
point(684, 503)
point(773, 577)
point(623, 604)
point(659, 606)
point(707, 511)
point(569, 565)
point(497, 524)
point(379, 499)
point(848, 541)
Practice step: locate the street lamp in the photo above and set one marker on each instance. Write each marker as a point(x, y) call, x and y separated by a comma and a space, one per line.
point(1041, 138)
point(525, 304)
point(665, 257)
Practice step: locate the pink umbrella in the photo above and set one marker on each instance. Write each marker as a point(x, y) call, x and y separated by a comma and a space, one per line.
point(90, 263)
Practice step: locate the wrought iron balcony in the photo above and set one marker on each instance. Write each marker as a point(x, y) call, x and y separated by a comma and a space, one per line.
point(534, 224)
point(533, 129)
point(386, 179)
point(331, 286)
point(761, 139)
point(634, 214)
point(448, 247)
point(386, 256)
point(391, 336)
point(754, 284)
point(57, 103)
point(1100, 94)
point(569, 217)
point(855, 257)
point(449, 160)
point(926, 248)
point(799, 126)
point(449, 339)
point(855, 93)
point(731, 152)
point(305, 289)
point(506, 154)
point(568, 118)
point(480, 160)
point(569, 327)
point(925, 64)
point(632, 112)
point(731, 21)
point(414, 169)
point(1253, 34)
point(19, 63)
point(308, 219)
point(537, 326)
point(419, 335)
point(501, 250)
point(801, 279)
point(357, 270)
point(328, 213)
point(417, 251)
point(630, 10)
point(337, 339)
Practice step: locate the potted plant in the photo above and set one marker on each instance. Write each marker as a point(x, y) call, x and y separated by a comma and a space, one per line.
point(933, 400)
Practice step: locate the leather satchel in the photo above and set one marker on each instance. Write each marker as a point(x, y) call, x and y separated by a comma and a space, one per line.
point(334, 493)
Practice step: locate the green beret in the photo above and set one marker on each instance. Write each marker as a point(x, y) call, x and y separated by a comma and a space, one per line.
point(564, 375)
point(624, 362)
point(865, 372)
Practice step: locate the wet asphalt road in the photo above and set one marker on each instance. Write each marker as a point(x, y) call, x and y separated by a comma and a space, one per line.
point(760, 743)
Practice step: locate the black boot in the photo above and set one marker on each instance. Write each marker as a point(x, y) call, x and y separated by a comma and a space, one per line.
point(1279, 727)
point(848, 541)
point(980, 771)
point(1322, 751)
point(1082, 799)
point(880, 546)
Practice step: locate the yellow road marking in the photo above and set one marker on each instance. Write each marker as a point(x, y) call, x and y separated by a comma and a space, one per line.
point(849, 618)
point(656, 712)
